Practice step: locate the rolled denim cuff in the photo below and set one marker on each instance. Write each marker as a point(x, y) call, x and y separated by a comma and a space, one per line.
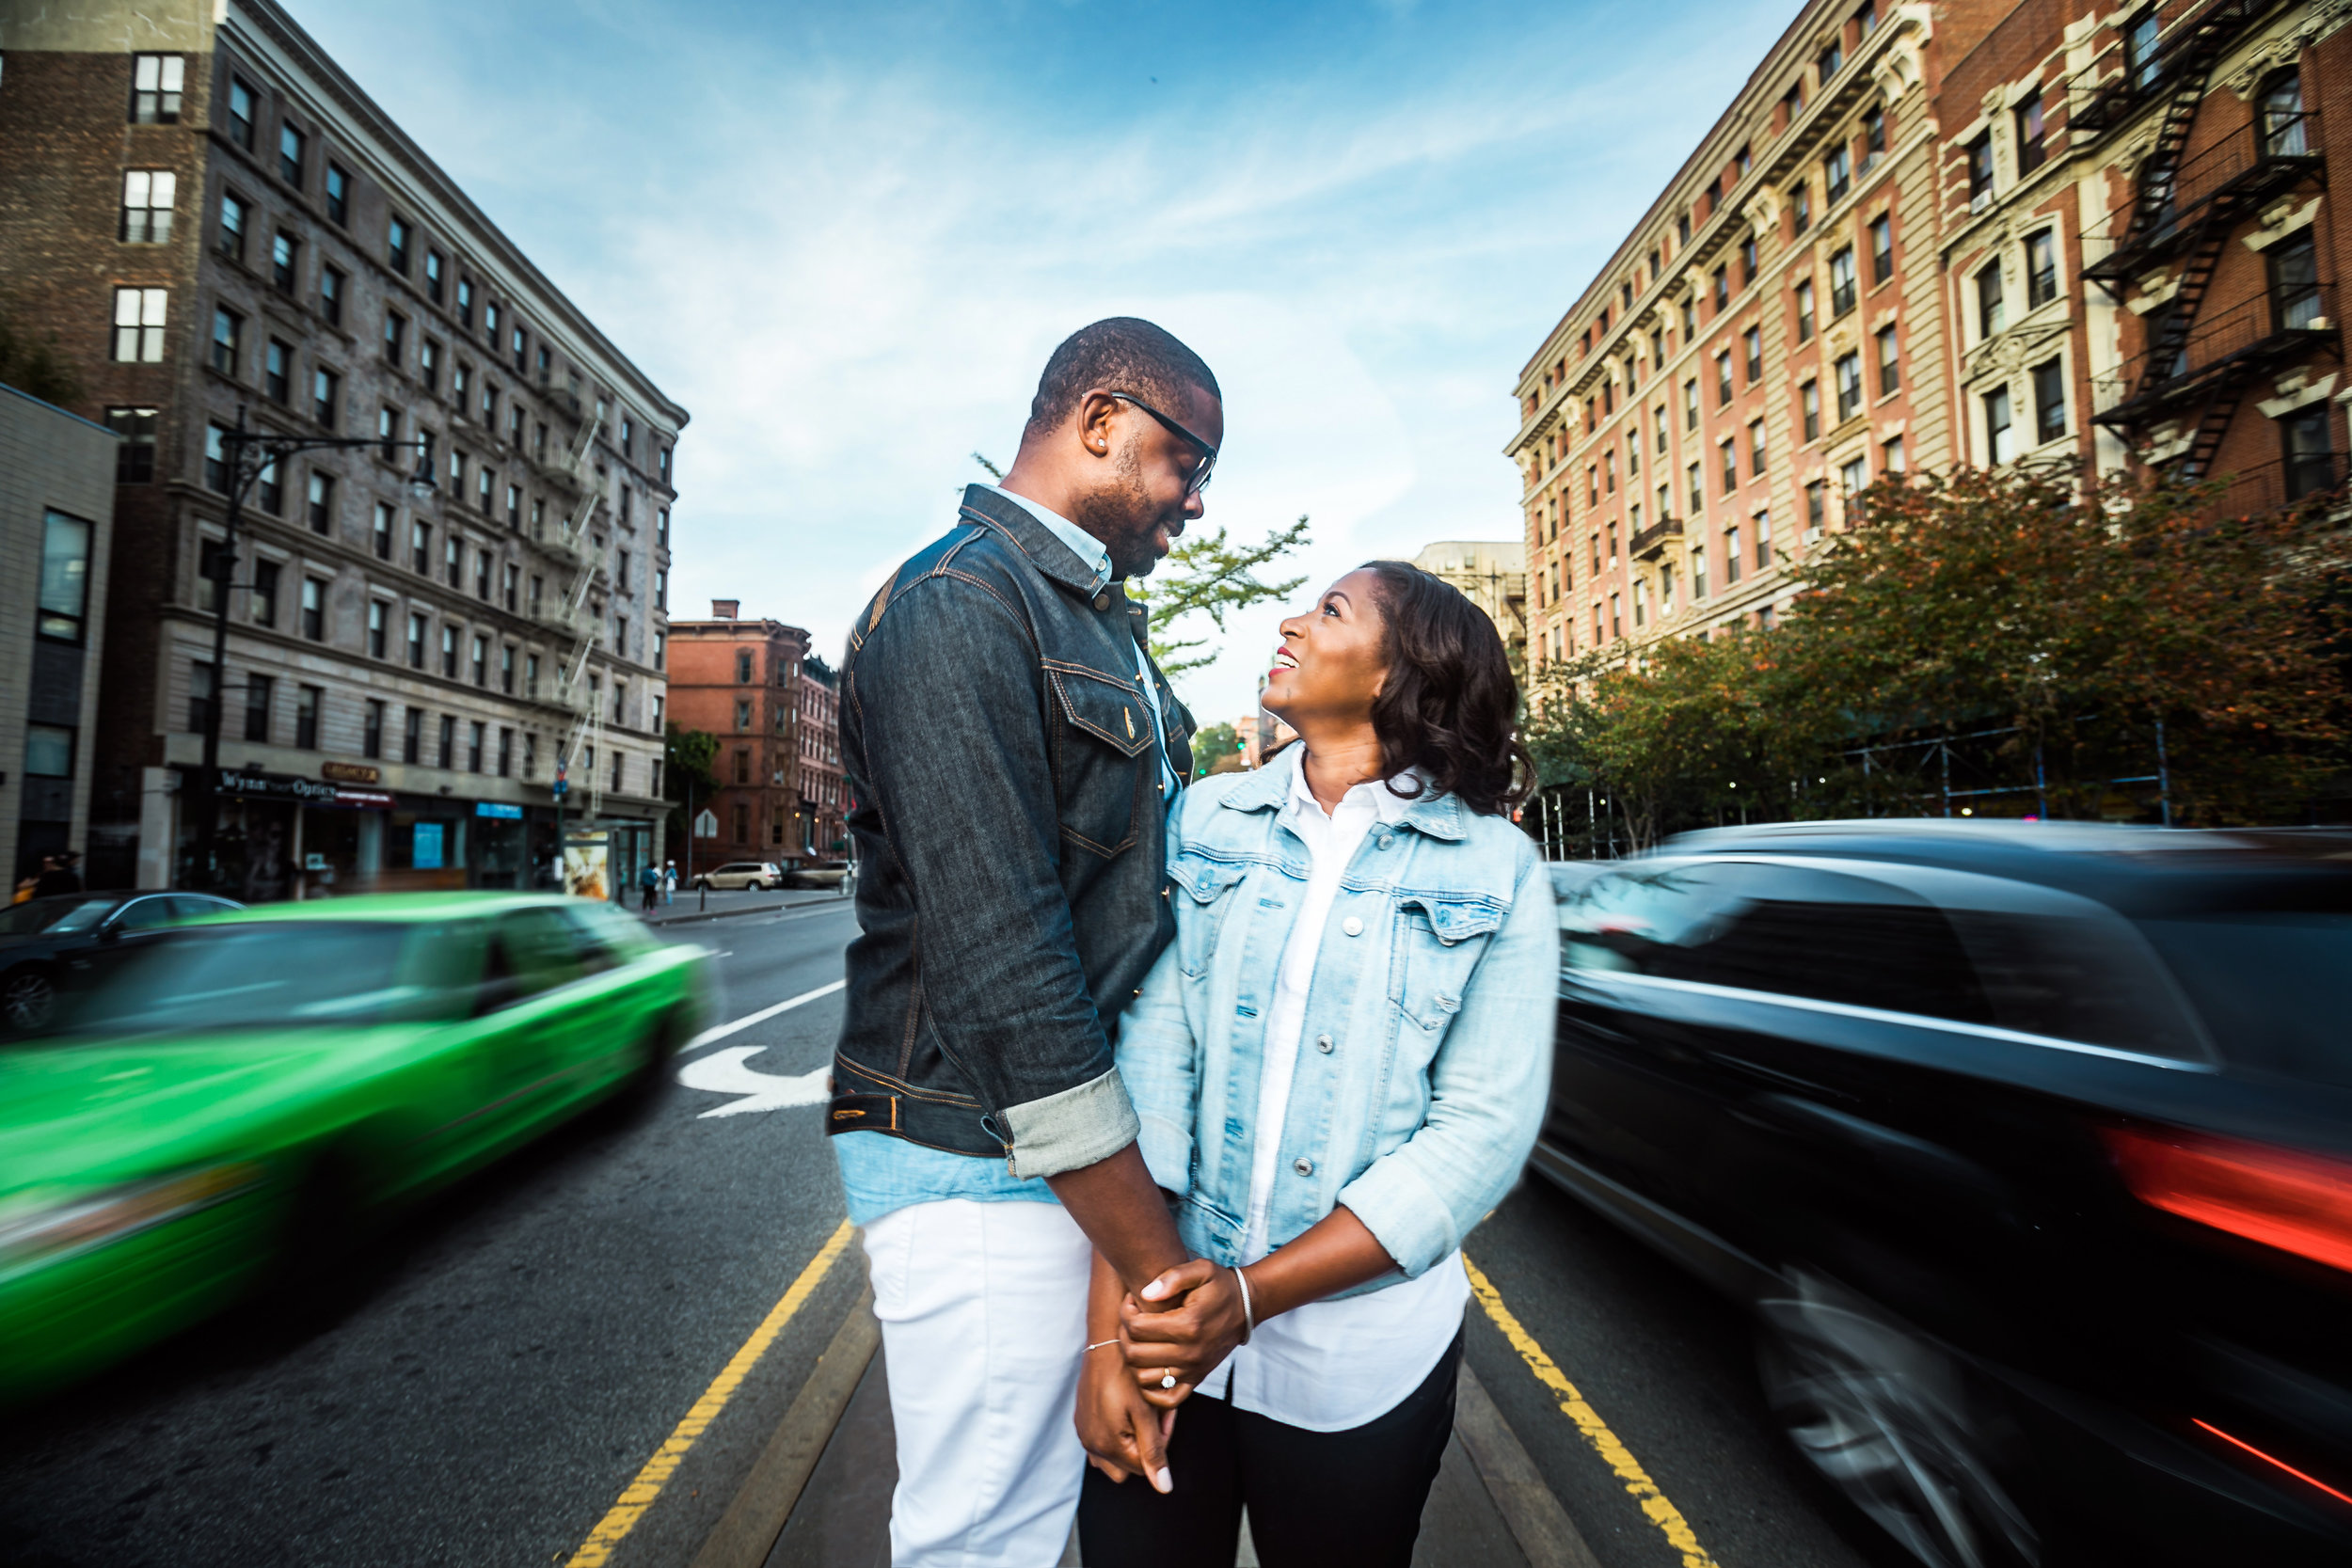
point(1409, 1220)
point(1166, 1154)
point(1072, 1130)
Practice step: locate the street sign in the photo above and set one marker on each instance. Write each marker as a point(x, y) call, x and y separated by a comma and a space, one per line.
point(706, 825)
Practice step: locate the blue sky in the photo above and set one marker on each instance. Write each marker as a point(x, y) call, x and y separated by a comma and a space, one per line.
point(846, 238)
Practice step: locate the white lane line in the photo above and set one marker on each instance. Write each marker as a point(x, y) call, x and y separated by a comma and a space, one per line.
point(724, 1072)
point(719, 1032)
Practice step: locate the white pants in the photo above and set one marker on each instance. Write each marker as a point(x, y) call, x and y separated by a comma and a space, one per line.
point(983, 1322)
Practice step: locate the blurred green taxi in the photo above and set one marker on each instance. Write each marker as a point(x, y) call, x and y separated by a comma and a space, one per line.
point(261, 1087)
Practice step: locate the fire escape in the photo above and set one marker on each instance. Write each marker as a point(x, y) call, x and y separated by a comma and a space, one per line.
point(2198, 365)
point(578, 616)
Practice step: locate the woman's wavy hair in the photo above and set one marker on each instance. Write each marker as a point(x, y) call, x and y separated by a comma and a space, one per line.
point(1448, 705)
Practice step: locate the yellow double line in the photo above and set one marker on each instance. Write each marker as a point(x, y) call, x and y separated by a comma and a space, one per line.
point(640, 1494)
point(1654, 1504)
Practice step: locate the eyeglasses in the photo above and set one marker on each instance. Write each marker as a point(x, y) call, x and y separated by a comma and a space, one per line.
point(1200, 478)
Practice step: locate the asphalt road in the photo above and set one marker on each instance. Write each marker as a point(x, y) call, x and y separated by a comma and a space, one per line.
point(491, 1381)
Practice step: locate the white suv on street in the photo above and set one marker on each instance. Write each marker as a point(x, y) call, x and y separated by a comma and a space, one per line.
point(738, 874)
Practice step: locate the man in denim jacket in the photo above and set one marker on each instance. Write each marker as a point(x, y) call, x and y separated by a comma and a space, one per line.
point(1012, 753)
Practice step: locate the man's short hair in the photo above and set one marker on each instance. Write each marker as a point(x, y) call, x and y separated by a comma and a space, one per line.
point(1121, 354)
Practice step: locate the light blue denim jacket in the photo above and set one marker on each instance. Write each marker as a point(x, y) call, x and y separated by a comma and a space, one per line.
point(1438, 1014)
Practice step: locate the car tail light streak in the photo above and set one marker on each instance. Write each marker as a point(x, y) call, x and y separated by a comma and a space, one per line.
point(2284, 1199)
point(2271, 1460)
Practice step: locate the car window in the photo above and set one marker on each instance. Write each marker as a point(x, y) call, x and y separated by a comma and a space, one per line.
point(535, 951)
point(270, 975)
point(59, 916)
point(194, 907)
point(600, 934)
point(141, 914)
point(2275, 988)
point(1787, 930)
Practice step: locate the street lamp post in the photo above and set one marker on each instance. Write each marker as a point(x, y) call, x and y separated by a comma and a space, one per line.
point(245, 455)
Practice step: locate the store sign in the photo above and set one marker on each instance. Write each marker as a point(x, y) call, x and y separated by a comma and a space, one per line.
point(426, 846)
point(363, 799)
point(351, 772)
point(498, 809)
point(274, 787)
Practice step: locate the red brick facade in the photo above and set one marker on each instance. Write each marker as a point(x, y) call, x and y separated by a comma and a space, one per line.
point(779, 760)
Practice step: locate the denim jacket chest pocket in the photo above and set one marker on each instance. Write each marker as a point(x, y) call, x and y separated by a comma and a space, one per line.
point(1206, 883)
point(1441, 935)
point(1100, 763)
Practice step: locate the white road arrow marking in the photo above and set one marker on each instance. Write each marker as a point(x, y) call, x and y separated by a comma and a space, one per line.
point(723, 1072)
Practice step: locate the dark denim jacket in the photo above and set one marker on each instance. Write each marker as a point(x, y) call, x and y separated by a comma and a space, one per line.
point(1009, 830)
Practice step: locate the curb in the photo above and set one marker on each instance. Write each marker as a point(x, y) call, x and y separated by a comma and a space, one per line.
point(699, 917)
point(1537, 1521)
point(747, 1532)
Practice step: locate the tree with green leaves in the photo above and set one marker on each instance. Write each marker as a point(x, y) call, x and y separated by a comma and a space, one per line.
point(689, 771)
point(36, 366)
point(1214, 749)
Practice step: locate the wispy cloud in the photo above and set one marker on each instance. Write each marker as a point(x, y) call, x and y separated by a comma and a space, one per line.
point(846, 239)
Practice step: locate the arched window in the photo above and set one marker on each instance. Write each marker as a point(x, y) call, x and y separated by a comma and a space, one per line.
point(2282, 117)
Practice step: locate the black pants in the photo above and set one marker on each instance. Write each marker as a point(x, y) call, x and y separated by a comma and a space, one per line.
point(1350, 1498)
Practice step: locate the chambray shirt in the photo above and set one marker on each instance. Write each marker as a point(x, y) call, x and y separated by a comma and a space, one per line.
point(881, 1175)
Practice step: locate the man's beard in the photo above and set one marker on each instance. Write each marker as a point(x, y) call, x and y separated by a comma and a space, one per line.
point(1121, 514)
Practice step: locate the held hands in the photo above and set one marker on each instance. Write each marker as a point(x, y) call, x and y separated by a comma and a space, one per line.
point(1123, 1434)
point(1186, 1322)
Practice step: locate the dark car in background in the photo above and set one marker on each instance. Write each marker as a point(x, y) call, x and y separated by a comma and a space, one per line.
point(2029, 1144)
point(51, 945)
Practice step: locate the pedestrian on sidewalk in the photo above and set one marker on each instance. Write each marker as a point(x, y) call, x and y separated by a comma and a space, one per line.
point(1011, 751)
point(669, 883)
point(1340, 1066)
point(649, 881)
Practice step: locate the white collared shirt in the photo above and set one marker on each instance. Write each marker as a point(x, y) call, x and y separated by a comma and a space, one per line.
point(1090, 551)
point(1329, 1365)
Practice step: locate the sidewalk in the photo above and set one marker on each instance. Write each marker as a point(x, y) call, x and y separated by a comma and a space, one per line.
point(691, 907)
point(820, 1496)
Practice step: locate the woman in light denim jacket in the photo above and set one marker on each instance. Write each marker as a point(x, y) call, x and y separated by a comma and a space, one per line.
point(1340, 1064)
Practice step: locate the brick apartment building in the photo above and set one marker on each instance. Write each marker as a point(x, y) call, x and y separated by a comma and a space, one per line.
point(1980, 233)
point(1751, 352)
point(218, 225)
point(748, 683)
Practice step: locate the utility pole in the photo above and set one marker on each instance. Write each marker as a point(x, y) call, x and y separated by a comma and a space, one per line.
point(246, 455)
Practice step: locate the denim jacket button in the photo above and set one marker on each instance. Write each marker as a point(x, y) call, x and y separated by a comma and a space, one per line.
point(1384, 841)
point(1102, 601)
point(1304, 1167)
point(1352, 925)
point(1322, 1043)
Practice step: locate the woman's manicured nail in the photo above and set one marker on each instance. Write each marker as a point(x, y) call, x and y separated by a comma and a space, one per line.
point(1163, 1481)
point(1154, 1290)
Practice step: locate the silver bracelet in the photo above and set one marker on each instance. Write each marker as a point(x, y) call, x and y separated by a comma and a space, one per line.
point(1248, 1311)
point(1098, 1345)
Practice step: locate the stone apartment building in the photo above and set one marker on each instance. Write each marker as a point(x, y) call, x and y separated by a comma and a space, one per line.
point(1767, 339)
point(56, 510)
point(748, 683)
point(1492, 574)
point(221, 228)
point(1982, 232)
point(2138, 248)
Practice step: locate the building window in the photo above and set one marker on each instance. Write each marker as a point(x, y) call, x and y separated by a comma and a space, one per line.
point(307, 699)
point(482, 661)
point(2304, 440)
point(338, 194)
point(2141, 62)
point(372, 730)
point(416, 641)
point(1763, 540)
point(1849, 373)
point(278, 371)
point(1980, 172)
point(314, 609)
point(2041, 268)
point(474, 733)
point(200, 697)
point(449, 651)
point(485, 483)
point(1800, 207)
point(506, 669)
point(396, 244)
point(378, 613)
point(1881, 249)
point(269, 490)
point(1756, 448)
point(1698, 574)
point(530, 677)
point(1723, 379)
point(2282, 118)
point(156, 82)
point(217, 458)
point(1891, 455)
point(1731, 555)
point(743, 763)
point(433, 267)
point(1809, 407)
point(449, 741)
point(2049, 401)
point(395, 336)
point(412, 737)
point(1747, 261)
point(1841, 281)
point(2031, 149)
point(230, 240)
point(290, 149)
point(454, 561)
point(513, 577)
point(481, 567)
point(2000, 441)
point(1837, 174)
point(2295, 285)
point(1804, 311)
point(382, 534)
point(331, 295)
point(465, 303)
point(429, 370)
point(64, 597)
point(490, 324)
point(319, 501)
point(1992, 315)
point(1816, 506)
point(530, 755)
point(265, 574)
point(1698, 491)
point(1722, 289)
point(743, 716)
point(148, 196)
point(240, 114)
point(506, 752)
point(1890, 368)
point(1690, 416)
point(517, 345)
point(1831, 59)
point(1874, 136)
point(1730, 468)
point(1752, 341)
point(135, 459)
point(257, 697)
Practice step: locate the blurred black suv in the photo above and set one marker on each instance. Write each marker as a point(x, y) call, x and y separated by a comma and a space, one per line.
point(2031, 1145)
